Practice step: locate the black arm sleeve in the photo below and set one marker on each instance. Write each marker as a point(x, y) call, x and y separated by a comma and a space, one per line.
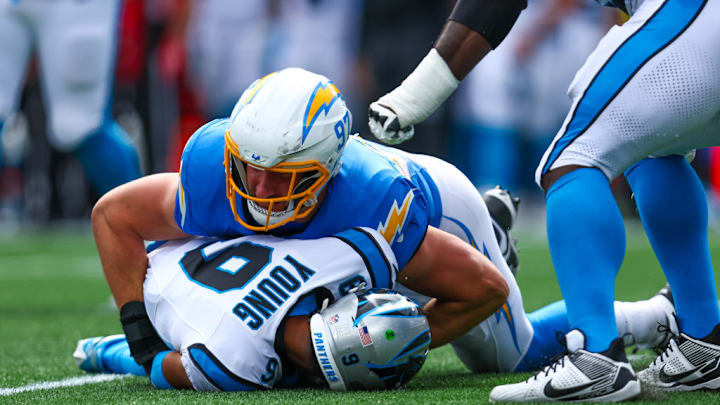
point(492, 19)
point(141, 336)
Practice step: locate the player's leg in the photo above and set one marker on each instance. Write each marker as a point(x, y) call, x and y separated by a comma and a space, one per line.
point(77, 44)
point(14, 52)
point(639, 319)
point(673, 208)
point(106, 354)
point(586, 237)
point(650, 59)
point(109, 157)
point(499, 342)
point(608, 129)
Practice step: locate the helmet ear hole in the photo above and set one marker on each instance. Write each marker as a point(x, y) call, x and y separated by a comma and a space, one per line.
point(370, 339)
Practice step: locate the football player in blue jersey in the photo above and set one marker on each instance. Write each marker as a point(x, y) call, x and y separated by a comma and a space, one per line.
point(284, 163)
point(645, 98)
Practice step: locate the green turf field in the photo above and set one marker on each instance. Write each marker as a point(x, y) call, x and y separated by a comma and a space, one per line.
point(52, 293)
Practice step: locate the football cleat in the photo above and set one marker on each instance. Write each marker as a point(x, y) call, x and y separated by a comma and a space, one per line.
point(503, 209)
point(88, 352)
point(687, 364)
point(577, 375)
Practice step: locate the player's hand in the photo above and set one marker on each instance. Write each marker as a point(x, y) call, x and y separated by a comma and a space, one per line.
point(385, 125)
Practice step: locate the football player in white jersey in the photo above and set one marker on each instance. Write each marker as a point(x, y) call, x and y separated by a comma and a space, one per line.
point(644, 99)
point(76, 43)
point(236, 314)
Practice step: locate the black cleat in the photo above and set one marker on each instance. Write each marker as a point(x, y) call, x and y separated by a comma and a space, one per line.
point(503, 209)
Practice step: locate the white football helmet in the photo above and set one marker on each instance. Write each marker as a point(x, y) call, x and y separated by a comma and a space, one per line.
point(369, 340)
point(292, 122)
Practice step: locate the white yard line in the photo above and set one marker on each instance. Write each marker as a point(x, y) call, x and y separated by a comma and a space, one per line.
point(68, 382)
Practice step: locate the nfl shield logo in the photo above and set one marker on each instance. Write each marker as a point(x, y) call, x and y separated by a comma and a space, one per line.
point(365, 337)
point(333, 319)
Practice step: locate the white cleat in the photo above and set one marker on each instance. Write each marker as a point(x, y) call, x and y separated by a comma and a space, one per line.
point(578, 376)
point(687, 364)
point(88, 352)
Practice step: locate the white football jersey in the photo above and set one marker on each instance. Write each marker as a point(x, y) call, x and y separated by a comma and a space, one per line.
point(221, 302)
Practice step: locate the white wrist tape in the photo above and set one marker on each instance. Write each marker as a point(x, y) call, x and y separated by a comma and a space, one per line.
point(423, 91)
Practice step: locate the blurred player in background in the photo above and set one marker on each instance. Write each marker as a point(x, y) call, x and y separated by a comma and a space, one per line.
point(648, 94)
point(75, 43)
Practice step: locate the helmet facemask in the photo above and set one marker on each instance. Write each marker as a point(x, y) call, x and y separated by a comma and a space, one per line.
point(308, 178)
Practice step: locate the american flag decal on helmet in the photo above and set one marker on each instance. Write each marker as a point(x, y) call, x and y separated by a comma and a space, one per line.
point(365, 337)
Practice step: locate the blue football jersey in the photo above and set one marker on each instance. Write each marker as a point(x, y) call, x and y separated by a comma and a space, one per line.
point(376, 187)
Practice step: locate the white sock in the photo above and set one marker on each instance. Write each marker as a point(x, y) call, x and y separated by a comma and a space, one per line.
point(641, 319)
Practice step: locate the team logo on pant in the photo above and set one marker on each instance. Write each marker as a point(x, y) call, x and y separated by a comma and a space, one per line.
point(505, 312)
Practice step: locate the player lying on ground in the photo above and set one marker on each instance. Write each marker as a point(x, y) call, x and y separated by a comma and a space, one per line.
point(238, 316)
point(291, 168)
point(237, 310)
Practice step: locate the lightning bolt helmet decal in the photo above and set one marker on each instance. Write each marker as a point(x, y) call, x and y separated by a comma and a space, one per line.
point(321, 100)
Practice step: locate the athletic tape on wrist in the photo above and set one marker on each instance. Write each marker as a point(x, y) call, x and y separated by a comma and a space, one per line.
point(143, 340)
point(423, 91)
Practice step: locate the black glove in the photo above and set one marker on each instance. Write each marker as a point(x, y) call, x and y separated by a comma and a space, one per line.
point(141, 336)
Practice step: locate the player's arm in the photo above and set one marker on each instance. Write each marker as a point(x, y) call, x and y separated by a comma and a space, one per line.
point(169, 372)
point(473, 29)
point(466, 286)
point(122, 220)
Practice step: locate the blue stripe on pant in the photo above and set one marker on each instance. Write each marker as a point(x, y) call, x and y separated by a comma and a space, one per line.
point(662, 28)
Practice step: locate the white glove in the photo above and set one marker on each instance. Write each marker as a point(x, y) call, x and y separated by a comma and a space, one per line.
point(384, 124)
point(391, 118)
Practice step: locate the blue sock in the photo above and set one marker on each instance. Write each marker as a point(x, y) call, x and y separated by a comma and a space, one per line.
point(547, 322)
point(587, 244)
point(117, 359)
point(157, 377)
point(109, 158)
point(672, 205)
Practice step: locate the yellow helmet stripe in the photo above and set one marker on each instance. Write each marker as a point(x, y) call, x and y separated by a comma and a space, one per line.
point(251, 95)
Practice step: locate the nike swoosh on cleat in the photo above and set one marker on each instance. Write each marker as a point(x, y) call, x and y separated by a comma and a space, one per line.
point(554, 393)
point(672, 378)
